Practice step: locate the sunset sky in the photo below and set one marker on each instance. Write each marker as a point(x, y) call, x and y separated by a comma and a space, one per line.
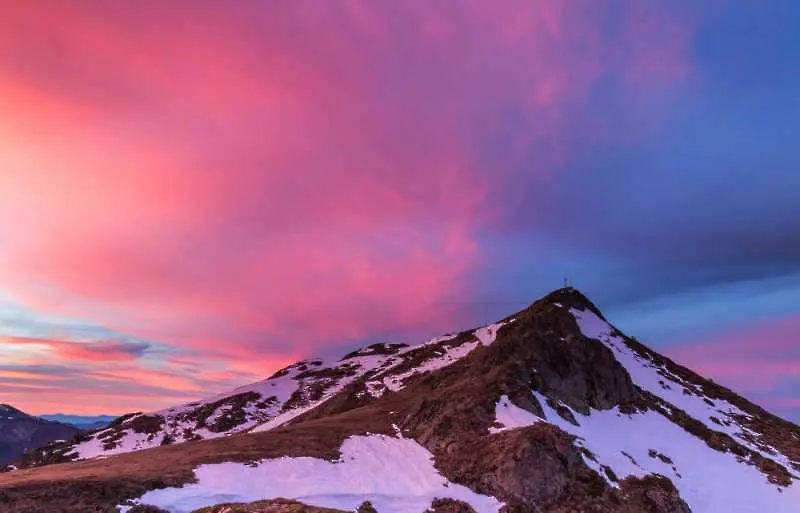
point(196, 193)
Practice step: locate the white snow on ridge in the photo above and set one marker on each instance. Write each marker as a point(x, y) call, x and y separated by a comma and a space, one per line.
point(488, 334)
point(130, 442)
point(396, 474)
point(448, 355)
point(178, 421)
point(362, 365)
point(265, 412)
point(685, 396)
point(175, 424)
point(634, 445)
point(429, 342)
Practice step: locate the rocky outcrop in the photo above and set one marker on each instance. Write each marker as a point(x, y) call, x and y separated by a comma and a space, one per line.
point(531, 468)
point(270, 506)
point(528, 466)
point(449, 506)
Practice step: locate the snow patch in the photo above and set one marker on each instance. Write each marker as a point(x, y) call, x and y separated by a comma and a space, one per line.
point(509, 416)
point(396, 474)
point(132, 441)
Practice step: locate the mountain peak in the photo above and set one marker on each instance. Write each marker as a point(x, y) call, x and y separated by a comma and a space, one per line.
point(571, 297)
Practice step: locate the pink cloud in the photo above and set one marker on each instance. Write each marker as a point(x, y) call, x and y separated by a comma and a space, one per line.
point(94, 351)
point(259, 182)
point(755, 358)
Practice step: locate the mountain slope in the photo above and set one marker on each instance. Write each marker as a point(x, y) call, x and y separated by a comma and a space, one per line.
point(262, 406)
point(552, 409)
point(20, 432)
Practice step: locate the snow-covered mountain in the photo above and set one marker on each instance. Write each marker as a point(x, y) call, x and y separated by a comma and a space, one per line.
point(551, 409)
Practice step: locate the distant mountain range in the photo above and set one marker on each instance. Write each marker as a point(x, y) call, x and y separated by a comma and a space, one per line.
point(86, 422)
point(550, 410)
point(20, 432)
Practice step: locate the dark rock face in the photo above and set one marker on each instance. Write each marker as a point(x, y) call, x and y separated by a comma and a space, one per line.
point(531, 465)
point(651, 494)
point(449, 506)
point(550, 354)
point(366, 507)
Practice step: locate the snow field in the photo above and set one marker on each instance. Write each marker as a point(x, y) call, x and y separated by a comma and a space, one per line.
point(396, 474)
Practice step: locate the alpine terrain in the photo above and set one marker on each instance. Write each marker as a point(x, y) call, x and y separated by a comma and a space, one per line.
point(20, 432)
point(550, 410)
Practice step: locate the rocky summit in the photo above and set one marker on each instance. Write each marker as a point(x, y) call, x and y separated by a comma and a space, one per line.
point(550, 410)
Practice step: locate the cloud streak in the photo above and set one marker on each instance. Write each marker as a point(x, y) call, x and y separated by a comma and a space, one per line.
point(95, 351)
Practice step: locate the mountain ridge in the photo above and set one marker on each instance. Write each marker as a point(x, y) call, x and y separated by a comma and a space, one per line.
point(542, 411)
point(20, 432)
